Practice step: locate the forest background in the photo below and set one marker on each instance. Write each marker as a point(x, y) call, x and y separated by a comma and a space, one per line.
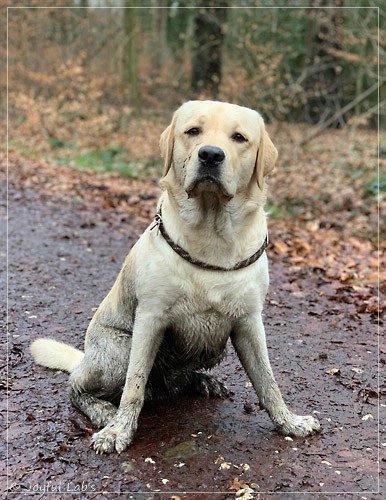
point(91, 85)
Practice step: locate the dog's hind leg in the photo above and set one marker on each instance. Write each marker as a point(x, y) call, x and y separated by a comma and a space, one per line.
point(207, 386)
point(99, 411)
point(176, 383)
point(99, 378)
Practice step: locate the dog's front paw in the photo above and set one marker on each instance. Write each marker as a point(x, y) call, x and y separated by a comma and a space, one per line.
point(113, 437)
point(299, 426)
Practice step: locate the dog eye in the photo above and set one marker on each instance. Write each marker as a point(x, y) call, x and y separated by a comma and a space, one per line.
point(239, 137)
point(193, 131)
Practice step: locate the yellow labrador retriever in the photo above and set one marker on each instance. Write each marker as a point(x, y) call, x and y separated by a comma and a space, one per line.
point(197, 277)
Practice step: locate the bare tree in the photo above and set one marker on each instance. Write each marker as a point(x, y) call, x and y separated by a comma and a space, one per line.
point(324, 86)
point(130, 51)
point(208, 38)
point(84, 7)
point(160, 51)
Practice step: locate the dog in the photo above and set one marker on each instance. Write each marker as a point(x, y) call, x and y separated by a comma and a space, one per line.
point(196, 277)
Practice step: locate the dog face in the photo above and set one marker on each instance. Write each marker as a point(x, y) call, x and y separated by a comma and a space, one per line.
point(218, 148)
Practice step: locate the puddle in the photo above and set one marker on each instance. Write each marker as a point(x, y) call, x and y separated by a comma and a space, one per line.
point(182, 450)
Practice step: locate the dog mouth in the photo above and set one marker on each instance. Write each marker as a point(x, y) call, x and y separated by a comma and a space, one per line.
point(208, 184)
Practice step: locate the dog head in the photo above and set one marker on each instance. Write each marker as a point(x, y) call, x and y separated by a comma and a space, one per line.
point(216, 147)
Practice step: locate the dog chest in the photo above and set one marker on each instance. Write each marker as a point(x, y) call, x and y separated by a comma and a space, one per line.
point(226, 295)
point(206, 314)
point(199, 336)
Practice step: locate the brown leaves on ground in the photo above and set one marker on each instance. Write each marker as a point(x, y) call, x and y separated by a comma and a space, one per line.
point(326, 212)
point(350, 266)
point(104, 190)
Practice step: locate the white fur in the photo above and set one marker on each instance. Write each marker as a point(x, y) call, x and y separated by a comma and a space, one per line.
point(55, 355)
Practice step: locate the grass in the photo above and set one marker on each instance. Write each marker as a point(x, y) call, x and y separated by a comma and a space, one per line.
point(276, 212)
point(375, 186)
point(112, 159)
point(16, 145)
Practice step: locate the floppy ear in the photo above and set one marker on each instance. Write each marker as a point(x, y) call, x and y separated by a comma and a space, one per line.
point(167, 143)
point(266, 157)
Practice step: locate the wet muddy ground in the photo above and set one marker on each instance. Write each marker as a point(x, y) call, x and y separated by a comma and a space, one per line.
point(63, 259)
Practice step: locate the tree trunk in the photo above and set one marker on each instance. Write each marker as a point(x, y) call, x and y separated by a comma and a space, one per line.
point(324, 88)
point(208, 38)
point(130, 63)
point(84, 7)
point(160, 52)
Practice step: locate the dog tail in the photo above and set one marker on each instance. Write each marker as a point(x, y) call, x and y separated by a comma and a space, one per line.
point(56, 355)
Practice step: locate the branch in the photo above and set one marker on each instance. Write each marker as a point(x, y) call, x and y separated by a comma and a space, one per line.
point(340, 113)
point(375, 108)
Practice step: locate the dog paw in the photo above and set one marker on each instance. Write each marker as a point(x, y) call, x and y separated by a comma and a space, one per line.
point(113, 438)
point(299, 426)
point(208, 386)
point(103, 415)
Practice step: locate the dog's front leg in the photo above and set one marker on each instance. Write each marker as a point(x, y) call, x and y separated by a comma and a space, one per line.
point(147, 337)
point(249, 341)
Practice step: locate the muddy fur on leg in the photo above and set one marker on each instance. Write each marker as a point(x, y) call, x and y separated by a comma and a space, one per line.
point(207, 386)
point(99, 411)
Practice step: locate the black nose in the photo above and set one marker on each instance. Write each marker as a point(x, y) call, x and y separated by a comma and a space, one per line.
point(211, 155)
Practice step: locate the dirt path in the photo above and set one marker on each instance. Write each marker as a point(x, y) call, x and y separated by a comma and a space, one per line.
point(63, 258)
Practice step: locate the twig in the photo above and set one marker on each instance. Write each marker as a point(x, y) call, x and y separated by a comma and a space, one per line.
point(377, 106)
point(341, 112)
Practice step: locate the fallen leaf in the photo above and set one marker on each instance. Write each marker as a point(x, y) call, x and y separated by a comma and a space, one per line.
point(333, 371)
point(238, 485)
point(280, 247)
point(245, 494)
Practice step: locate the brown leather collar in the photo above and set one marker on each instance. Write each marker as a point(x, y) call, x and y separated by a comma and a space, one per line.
point(158, 222)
